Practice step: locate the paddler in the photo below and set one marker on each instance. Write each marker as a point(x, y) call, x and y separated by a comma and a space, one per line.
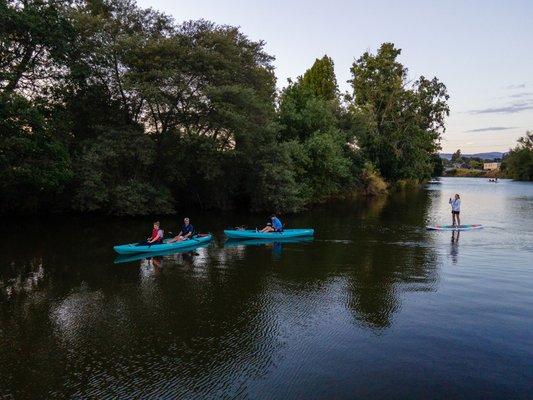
point(274, 226)
point(156, 237)
point(186, 232)
point(456, 209)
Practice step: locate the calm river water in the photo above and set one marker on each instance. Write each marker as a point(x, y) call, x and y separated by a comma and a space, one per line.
point(374, 306)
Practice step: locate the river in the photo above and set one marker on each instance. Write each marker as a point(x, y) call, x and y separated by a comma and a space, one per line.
point(374, 306)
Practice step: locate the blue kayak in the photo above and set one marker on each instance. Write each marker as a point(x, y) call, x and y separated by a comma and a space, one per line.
point(126, 258)
point(165, 246)
point(252, 234)
point(454, 228)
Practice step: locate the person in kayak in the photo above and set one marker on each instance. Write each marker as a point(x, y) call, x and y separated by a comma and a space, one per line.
point(456, 209)
point(274, 226)
point(187, 230)
point(155, 238)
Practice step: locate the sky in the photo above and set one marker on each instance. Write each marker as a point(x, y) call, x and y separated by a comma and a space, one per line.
point(481, 50)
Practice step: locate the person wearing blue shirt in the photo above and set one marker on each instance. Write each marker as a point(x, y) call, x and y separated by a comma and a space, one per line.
point(187, 230)
point(274, 226)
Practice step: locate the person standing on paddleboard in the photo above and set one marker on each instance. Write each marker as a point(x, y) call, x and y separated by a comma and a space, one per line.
point(456, 209)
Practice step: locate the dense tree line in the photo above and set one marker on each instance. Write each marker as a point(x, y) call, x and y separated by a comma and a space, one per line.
point(108, 107)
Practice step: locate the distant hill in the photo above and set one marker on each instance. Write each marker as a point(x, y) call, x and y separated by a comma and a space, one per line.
point(485, 156)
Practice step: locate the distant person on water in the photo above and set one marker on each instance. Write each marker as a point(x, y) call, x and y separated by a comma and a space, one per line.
point(456, 209)
point(274, 226)
point(156, 237)
point(187, 230)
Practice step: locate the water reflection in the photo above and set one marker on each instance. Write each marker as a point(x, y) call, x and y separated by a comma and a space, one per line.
point(276, 245)
point(16, 280)
point(385, 266)
point(214, 322)
point(454, 247)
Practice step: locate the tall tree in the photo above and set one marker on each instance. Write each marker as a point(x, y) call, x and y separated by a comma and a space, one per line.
point(519, 160)
point(321, 80)
point(403, 124)
point(34, 40)
point(457, 156)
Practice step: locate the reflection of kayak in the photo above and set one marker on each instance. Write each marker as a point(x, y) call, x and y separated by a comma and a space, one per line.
point(454, 228)
point(259, 242)
point(124, 258)
point(249, 234)
point(156, 248)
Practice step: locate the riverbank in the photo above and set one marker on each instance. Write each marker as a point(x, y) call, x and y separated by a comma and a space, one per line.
point(474, 173)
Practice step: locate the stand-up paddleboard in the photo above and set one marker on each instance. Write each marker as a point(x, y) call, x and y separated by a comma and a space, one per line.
point(454, 228)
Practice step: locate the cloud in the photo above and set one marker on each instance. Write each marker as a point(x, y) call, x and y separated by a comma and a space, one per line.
point(491, 128)
point(511, 109)
point(523, 94)
point(519, 86)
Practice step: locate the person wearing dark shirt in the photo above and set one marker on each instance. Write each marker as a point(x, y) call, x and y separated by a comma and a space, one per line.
point(186, 232)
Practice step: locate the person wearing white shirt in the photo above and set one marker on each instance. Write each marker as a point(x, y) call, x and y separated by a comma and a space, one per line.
point(456, 209)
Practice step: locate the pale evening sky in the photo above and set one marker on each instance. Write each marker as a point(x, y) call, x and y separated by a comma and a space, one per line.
point(481, 50)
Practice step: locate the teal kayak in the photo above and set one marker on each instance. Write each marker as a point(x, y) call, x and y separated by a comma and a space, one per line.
point(454, 228)
point(126, 258)
point(165, 246)
point(252, 234)
point(260, 242)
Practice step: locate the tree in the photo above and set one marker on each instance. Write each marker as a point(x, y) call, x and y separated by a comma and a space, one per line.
point(457, 157)
point(115, 175)
point(320, 79)
point(519, 161)
point(314, 125)
point(35, 167)
point(35, 39)
point(438, 165)
point(403, 125)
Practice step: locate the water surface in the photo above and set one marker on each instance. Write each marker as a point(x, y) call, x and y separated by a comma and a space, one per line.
point(374, 306)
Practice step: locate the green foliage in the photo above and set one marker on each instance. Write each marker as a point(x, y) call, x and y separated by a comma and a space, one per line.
point(34, 166)
point(301, 113)
point(35, 37)
point(457, 157)
point(110, 108)
point(320, 79)
point(519, 161)
point(114, 174)
point(274, 185)
point(318, 131)
point(371, 182)
point(438, 165)
point(402, 124)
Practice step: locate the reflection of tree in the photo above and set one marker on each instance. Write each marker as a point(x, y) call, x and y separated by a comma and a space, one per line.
point(390, 258)
point(202, 323)
point(20, 279)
